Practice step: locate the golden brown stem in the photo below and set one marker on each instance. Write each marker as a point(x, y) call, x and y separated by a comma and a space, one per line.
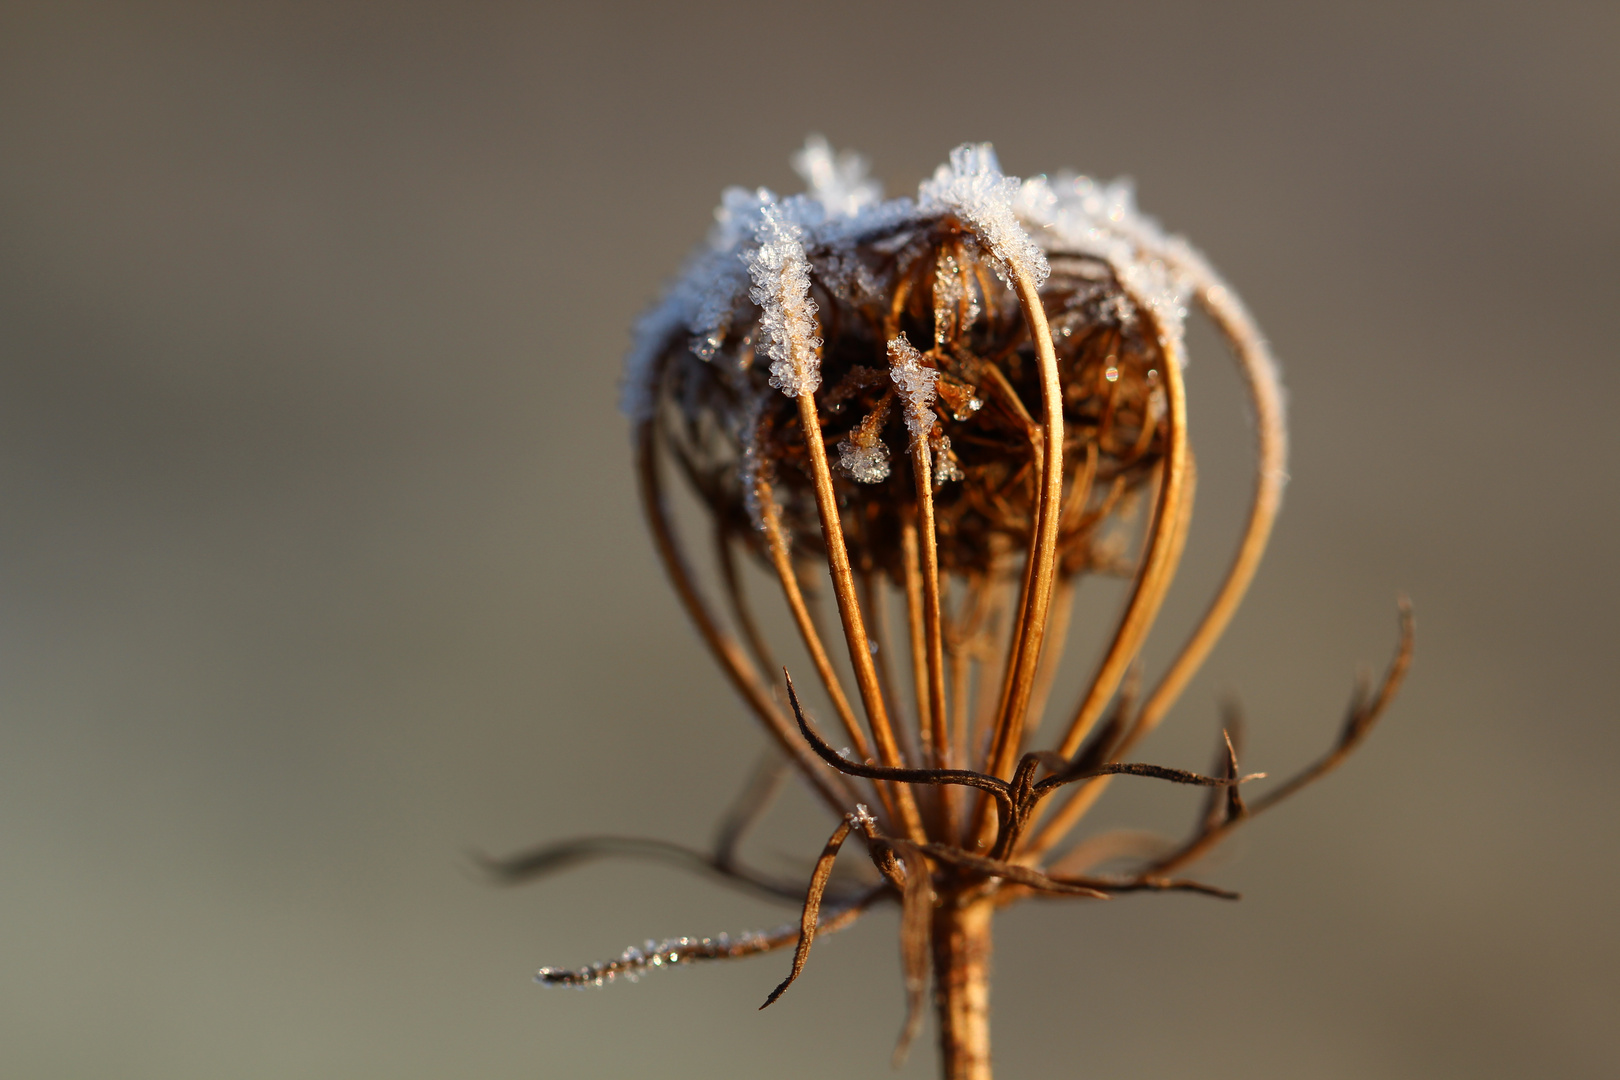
point(849, 611)
point(1032, 620)
point(782, 562)
point(933, 636)
point(1081, 801)
point(1007, 741)
point(1056, 635)
point(909, 559)
point(741, 610)
point(1158, 560)
point(962, 945)
point(1271, 454)
point(727, 652)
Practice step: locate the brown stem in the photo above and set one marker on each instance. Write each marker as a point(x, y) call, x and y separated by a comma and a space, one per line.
point(725, 648)
point(961, 941)
point(849, 610)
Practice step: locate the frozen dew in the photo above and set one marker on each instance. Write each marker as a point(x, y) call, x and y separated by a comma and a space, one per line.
point(974, 188)
point(839, 182)
point(917, 382)
point(868, 464)
point(781, 276)
point(945, 467)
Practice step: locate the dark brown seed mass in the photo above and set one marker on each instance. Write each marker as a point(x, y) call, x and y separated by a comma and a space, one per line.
point(931, 282)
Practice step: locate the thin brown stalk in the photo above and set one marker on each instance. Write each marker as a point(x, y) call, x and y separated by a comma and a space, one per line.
point(874, 599)
point(1364, 712)
point(916, 910)
point(1064, 819)
point(1033, 617)
point(912, 572)
point(933, 626)
point(1056, 635)
point(741, 610)
point(803, 618)
point(1041, 566)
point(1153, 580)
point(812, 905)
point(833, 789)
point(1271, 462)
point(849, 611)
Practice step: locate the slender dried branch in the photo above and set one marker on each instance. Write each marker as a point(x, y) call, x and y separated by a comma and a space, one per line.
point(849, 610)
point(803, 618)
point(1364, 712)
point(634, 962)
point(834, 791)
point(1260, 376)
point(539, 862)
point(916, 924)
point(812, 905)
point(996, 787)
point(1153, 580)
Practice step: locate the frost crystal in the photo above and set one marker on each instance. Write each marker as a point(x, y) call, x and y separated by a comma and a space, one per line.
point(754, 471)
point(945, 467)
point(839, 183)
point(1078, 214)
point(973, 187)
point(633, 962)
point(868, 464)
point(781, 276)
point(761, 239)
point(917, 383)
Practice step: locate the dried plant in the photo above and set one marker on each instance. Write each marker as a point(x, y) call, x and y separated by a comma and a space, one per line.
point(967, 401)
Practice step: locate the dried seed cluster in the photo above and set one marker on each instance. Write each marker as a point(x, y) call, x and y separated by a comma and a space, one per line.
point(946, 398)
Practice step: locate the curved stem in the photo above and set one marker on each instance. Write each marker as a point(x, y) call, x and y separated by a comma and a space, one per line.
point(1259, 371)
point(849, 611)
point(1161, 553)
point(1031, 621)
point(1158, 559)
point(727, 652)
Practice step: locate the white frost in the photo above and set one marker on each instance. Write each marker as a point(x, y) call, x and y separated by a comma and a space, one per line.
point(781, 276)
point(867, 464)
point(1086, 217)
point(974, 187)
point(918, 383)
point(838, 182)
point(761, 239)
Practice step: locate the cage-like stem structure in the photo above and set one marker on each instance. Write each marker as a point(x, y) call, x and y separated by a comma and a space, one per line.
point(1035, 484)
point(1041, 407)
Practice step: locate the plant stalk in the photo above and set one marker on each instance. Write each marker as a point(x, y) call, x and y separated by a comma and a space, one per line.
point(962, 988)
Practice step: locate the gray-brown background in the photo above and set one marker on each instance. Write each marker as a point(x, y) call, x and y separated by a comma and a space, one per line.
point(320, 565)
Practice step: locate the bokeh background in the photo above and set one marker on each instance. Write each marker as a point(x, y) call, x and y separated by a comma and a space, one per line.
point(320, 565)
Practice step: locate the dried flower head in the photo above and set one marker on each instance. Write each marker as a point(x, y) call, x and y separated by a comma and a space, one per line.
point(968, 400)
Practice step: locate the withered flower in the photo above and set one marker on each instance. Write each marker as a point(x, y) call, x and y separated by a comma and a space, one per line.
point(967, 402)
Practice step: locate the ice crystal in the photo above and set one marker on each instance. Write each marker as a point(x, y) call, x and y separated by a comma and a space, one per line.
point(867, 463)
point(1081, 215)
point(838, 182)
point(635, 962)
point(945, 466)
point(781, 276)
point(768, 241)
point(974, 187)
point(917, 382)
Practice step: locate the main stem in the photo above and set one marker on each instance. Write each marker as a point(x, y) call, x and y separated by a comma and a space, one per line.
point(962, 989)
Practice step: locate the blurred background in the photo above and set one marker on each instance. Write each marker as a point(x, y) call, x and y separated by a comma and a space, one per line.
point(320, 564)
